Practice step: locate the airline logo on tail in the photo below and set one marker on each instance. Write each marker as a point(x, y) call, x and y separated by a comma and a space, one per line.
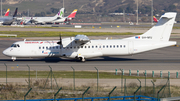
point(73, 14)
point(154, 18)
point(60, 13)
point(7, 12)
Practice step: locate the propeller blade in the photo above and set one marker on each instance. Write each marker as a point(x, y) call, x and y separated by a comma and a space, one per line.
point(60, 40)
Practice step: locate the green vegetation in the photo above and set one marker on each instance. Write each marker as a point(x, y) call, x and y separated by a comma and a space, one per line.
point(56, 34)
point(65, 74)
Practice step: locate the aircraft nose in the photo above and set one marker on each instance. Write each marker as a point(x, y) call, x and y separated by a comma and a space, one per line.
point(5, 52)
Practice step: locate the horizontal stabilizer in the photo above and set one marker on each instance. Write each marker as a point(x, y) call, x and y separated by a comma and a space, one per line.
point(81, 38)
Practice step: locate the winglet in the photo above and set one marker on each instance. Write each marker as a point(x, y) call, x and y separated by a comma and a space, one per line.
point(15, 13)
point(7, 12)
point(73, 14)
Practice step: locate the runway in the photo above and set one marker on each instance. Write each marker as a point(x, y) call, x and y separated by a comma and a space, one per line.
point(166, 59)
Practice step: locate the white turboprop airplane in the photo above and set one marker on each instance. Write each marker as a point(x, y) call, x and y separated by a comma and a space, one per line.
point(81, 47)
point(43, 20)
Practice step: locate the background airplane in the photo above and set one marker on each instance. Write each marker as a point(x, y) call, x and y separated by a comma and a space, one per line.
point(44, 20)
point(8, 20)
point(68, 18)
point(81, 47)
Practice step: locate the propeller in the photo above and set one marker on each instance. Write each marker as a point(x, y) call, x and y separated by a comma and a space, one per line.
point(60, 40)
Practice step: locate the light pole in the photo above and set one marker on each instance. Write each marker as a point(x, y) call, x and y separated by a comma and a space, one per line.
point(1, 8)
point(152, 12)
point(137, 12)
point(63, 7)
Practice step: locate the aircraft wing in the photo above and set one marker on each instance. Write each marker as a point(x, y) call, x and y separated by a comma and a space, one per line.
point(81, 39)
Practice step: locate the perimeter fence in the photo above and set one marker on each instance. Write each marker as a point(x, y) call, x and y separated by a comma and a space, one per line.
point(17, 80)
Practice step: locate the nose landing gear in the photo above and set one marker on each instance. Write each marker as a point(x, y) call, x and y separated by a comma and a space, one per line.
point(13, 58)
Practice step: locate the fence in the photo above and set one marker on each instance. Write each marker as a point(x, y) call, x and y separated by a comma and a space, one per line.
point(114, 98)
point(43, 81)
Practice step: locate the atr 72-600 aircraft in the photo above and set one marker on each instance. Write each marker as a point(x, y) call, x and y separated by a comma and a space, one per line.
point(81, 47)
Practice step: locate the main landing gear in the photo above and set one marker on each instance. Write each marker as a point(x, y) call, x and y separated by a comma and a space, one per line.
point(82, 59)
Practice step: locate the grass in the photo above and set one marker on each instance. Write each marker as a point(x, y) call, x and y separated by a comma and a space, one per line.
point(66, 74)
point(56, 34)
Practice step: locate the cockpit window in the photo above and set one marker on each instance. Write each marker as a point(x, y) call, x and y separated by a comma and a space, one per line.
point(15, 45)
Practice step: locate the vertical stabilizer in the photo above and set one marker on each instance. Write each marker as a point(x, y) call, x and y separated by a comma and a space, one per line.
point(15, 13)
point(60, 13)
point(155, 19)
point(161, 31)
point(73, 14)
point(7, 12)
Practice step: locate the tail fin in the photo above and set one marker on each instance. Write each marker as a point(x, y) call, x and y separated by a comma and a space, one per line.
point(7, 12)
point(161, 31)
point(154, 18)
point(15, 13)
point(73, 14)
point(60, 13)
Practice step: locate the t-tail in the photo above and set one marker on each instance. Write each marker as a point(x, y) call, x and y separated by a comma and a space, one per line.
point(161, 31)
point(7, 12)
point(15, 13)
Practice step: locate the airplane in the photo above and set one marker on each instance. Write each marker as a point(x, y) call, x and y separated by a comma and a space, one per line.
point(44, 20)
point(68, 18)
point(8, 20)
point(81, 47)
point(7, 12)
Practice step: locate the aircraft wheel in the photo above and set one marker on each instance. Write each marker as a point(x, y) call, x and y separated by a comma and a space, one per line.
point(82, 59)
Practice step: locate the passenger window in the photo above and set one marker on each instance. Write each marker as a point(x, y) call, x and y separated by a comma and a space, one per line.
point(84, 46)
point(99, 46)
point(78, 47)
point(121, 46)
point(74, 47)
point(103, 46)
point(43, 47)
point(39, 47)
point(117, 46)
point(53, 47)
point(71, 47)
point(56, 47)
point(124, 46)
point(114, 46)
point(81, 46)
point(49, 47)
point(107, 46)
point(110, 46)
point(96, 46)
point(88, 46)
point(92, 46)
point(46, 47)
point(67, 47)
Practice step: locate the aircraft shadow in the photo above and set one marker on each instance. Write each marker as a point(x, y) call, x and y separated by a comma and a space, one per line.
point(55, 60)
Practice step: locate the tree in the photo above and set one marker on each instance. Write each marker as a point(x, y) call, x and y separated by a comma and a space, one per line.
point(129, 10)
point(119, 10)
